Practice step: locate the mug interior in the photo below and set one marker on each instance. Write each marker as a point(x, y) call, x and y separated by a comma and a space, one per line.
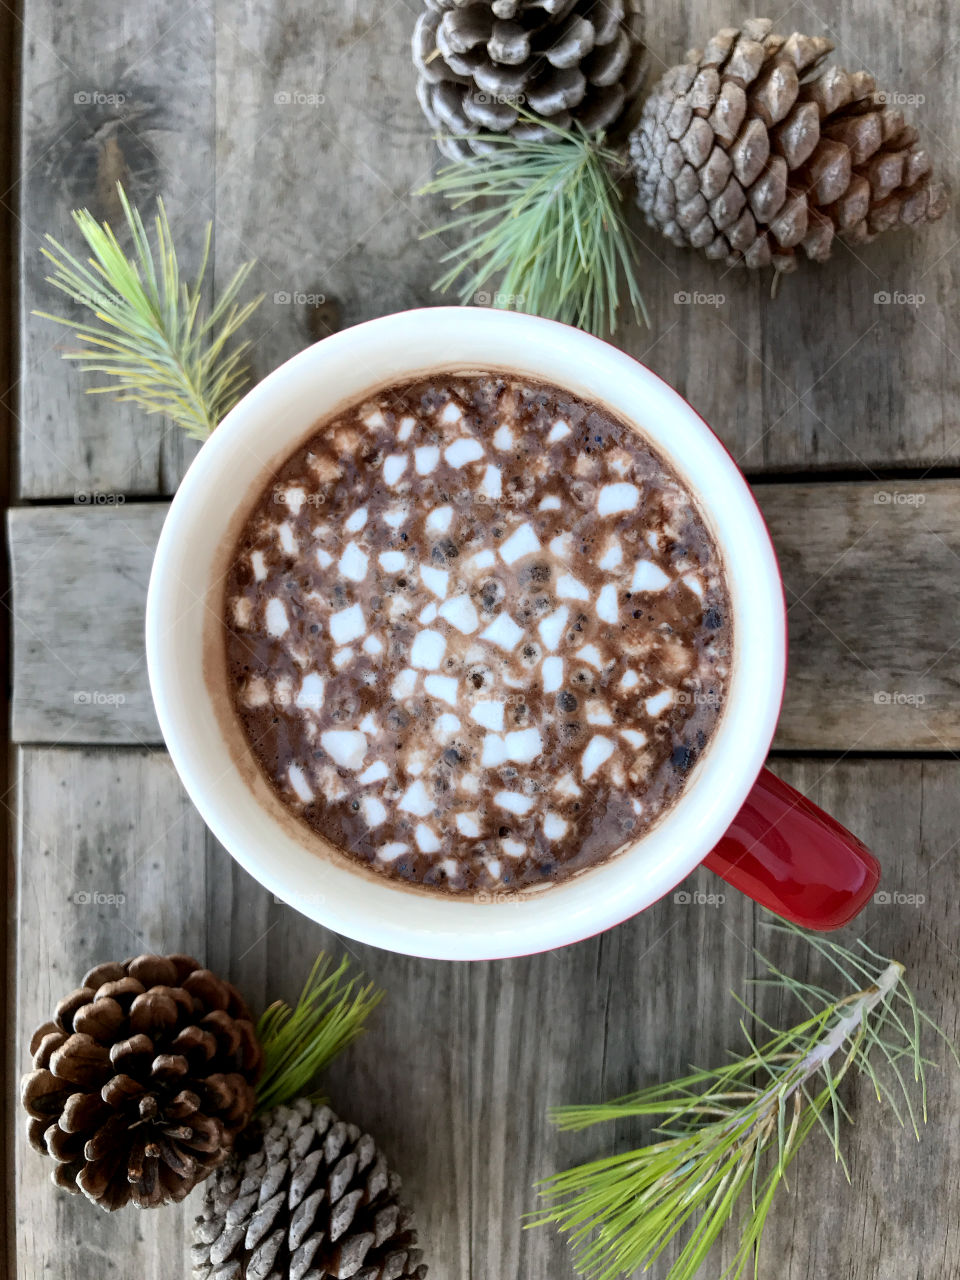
point(189, 688)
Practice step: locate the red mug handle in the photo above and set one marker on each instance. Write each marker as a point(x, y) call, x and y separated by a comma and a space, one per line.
point(794, 859)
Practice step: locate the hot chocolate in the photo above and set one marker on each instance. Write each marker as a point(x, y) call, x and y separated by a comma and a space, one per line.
point(477, 632)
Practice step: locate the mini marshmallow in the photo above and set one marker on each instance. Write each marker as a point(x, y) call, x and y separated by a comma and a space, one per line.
point(342, 657)
point(598, 713)
point(513, 848)
point(607, 610)
point(375, 773)
point(566, 787)
point(552, 672)
point(374, 811)
point(295, 497)
point(298, 780)
point(450, 413)
point(629, 680)
point(648, 576)
point(355, 522)
point(491, 486)
point(693, 582)
point(427, 614)
point(503, 438)
point(591, 654)
point(554, 827)
point(522, 542)
point(438, 521)
point(635, 737)
point(392, 851)
point(415, 800)
point(551, 627)
point(405, 429)
point(550, 503)
point(353, 563)
point(374, 419)
point(288, 542)
point(373, 645)
point(324, 558)
point(348, 624)
point(427, 650)
point(447, 725)
point(523, 745)
point(435, 580)
point(513, 802)
point(242, 611)
point(562, 545)
point(346, 747)
point(559, 431)
point(395, 517)
point(259, 565)
point(369, 725)
point(461, 613)
point(426, 458)
point(468, 825)
point(503, 632)
point(494, 751)
point(393, 561)
point(310, 695)
point(482, 560)
point(442, 687)
point(612, 558)
point(426, 838)
point(404, 683)
point(394, 465)
point(614, 498)
point(598, 750)
point(488, 713)
point(276, 615)
point(659, 702)
point(568, 588)
point(462, 452)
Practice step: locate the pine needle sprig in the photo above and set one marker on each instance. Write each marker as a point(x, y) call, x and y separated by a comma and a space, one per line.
point(298, 1043)
point(150, 335)
point(544, 218)
point(735, 1130)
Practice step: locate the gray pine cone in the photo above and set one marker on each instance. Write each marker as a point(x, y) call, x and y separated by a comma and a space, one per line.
point(479, 61)
point(753, 151)
point(313, 1200)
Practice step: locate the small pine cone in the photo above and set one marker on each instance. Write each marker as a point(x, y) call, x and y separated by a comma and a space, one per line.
point(754, 151)
point(479, 62)
point(142, 1080)
point(312, 1200)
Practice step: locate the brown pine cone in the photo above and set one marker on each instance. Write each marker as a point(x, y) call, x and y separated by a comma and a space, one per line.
point(142, 1080)
point(480, 61)
point(311, 1200)
point(753, 151)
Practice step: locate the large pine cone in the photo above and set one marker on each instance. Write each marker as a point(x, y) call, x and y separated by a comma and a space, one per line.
point(313, 1201)
point(752, 151)
point(142, 1080)
point(479, 61)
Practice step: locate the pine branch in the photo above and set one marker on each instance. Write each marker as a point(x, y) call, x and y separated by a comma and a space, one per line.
point(544, 219)
point(151, 337)
point(298, 1043)
point(735, 1130)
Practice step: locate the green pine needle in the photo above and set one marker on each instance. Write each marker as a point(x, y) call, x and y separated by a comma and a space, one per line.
point(734, 1131)
point(545, 218)
point(299, 1042)
point(151, 337)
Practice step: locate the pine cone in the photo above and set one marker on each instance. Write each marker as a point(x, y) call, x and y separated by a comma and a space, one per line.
point(751, 151)
point(313, 1201)
point(142, 1080)
point(565, 60)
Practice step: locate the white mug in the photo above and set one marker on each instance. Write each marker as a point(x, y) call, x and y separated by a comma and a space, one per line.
point(711, 819)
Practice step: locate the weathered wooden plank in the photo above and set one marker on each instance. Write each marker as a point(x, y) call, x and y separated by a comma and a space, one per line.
point(126, 94)
point(79, 590)
point(319, 144)
point(461, 1060)
point(899, 1217)
point(870, 571)
point(95, 828)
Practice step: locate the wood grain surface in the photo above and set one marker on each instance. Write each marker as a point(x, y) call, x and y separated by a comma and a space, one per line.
point(296, 130)
point(872, 590)
point(461, 1061)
